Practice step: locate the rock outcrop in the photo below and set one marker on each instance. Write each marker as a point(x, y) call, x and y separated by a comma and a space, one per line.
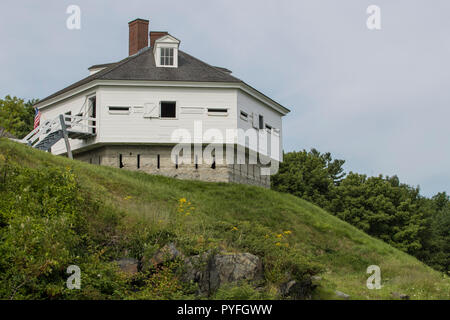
point(128, 265)
point(211, 271)
point(297, 290)
point(167, 253)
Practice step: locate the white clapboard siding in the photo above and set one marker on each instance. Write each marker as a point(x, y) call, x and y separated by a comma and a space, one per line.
point(190, 106)
point(253, 108)
point(141, 123)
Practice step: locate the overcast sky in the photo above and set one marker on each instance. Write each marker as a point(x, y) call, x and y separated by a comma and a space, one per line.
point(380, 99)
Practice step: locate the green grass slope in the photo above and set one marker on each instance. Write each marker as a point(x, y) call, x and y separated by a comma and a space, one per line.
point(141, 212)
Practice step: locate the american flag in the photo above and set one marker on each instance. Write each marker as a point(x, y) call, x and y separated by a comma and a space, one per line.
point(37, 117)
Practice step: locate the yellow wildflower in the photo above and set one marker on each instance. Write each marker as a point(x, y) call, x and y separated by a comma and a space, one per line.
point(234, 228)
point(278, 244)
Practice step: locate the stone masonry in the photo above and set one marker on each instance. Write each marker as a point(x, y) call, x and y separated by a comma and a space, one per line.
point(128, 156)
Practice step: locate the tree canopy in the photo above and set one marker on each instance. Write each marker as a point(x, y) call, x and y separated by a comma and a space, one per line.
point(381, 206)
point(17, 116)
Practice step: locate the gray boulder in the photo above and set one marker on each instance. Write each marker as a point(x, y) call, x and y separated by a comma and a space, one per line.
point(167, 253)
point(211, 271)
point(196, 267)
point(128, 265)
point(342, 295)
point(298, 290)
point(227, 268)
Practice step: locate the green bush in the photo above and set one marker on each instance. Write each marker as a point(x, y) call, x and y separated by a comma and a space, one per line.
point(44, 230)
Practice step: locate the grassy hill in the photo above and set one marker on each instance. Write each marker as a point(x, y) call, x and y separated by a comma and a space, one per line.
point(126, 213)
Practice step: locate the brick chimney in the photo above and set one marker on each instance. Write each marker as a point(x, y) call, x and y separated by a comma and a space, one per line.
point(138, 35)
point(155, 35)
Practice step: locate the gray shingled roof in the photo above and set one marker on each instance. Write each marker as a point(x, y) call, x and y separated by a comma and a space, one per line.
point(141, 66)
point(103, 65)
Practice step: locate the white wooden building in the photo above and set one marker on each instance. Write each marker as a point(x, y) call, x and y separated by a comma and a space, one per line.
point(130, 110)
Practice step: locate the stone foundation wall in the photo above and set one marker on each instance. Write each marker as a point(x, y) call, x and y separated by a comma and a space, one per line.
point(148, 162)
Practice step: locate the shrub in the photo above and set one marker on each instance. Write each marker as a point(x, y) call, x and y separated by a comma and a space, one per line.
point(44, 229)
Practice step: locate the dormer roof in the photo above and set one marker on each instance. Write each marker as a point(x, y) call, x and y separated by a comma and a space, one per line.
point(167, 39)
point(165, 51)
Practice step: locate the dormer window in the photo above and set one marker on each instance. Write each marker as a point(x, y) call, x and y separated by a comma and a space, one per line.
point(166, 56)
point(165, 50)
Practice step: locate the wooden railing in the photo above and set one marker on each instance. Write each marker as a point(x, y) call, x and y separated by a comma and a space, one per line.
point(77, 124)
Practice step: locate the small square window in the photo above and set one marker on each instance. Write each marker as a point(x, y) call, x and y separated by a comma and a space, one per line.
point(244, 115)
point(168, 109)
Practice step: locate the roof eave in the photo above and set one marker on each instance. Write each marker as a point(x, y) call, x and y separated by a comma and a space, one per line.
point(102, 82)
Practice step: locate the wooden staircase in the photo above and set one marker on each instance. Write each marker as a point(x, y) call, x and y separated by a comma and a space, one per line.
point(49, 140)
point(61, 127)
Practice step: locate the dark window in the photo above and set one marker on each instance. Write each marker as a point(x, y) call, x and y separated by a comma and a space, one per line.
point(119, 109)
point(244, 115)
point(168, 110)
point(158, 161)
point(68, 120)
point(138, 161)
point(261, 122)
point(217, 110)
point(68, 114)
point(269, 128)
point(176, 162)
point(120, 161)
